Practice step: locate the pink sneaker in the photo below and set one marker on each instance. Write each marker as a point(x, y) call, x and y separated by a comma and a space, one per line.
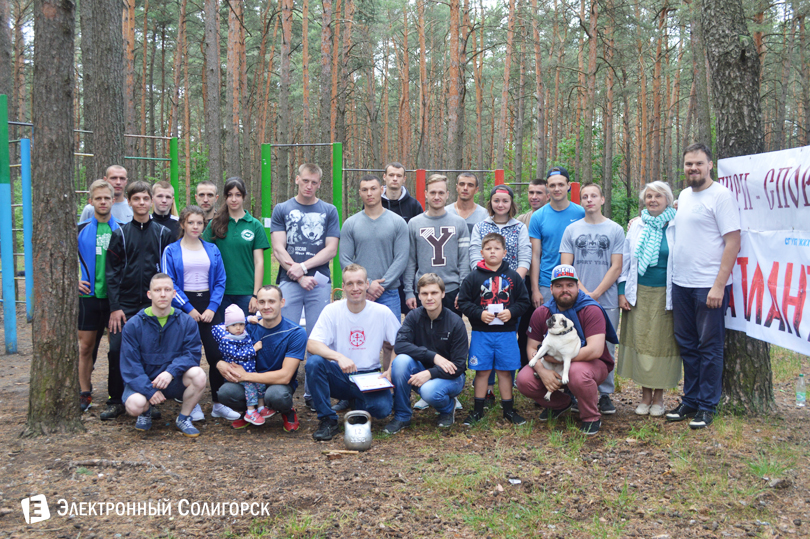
point(267, 413)
point(254, 417)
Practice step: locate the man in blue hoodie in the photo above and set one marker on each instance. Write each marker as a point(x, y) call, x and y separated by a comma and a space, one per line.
point(160, 359)
point(94, 307)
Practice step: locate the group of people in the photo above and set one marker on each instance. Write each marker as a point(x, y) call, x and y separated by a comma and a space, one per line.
point(165, 294)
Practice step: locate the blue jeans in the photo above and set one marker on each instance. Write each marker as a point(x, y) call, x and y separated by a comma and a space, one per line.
point(390, 298)
point(243, 302)
point(700, 334)
point(326, 380)
point(311, 302)
point(440, 393)
point(276, 397)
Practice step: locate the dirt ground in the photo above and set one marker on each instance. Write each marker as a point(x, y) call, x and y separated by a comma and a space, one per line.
point(638, 478)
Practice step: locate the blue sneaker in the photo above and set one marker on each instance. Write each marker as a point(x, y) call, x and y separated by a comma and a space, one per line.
point(144, 421)
point(187, 427)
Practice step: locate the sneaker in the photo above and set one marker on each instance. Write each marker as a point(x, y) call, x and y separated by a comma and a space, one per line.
point(239, 423)
point(309, 404)
point(178, 401)
point(144, 421)
point(446, 420)
point(341, 405)
point(187, 427)
point(326, 430)
point(220, 410)
point(681, 412)
point(458, 405)
point(254, 418)
point(421, 404)
point(472, 419)
point(489, 400)
point(606, 405)
point(395, 426)
point(548, 413)
point(266, 412)
point(702, 420)
point(85, 400)
point(290, 421)
point(112, 411)
point(197, 413)
point(589, 428)
point(156, 412)
point(514, 418)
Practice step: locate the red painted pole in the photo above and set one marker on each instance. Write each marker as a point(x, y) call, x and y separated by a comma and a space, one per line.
point(499, 177)
point(575, 192)
point(421, 175)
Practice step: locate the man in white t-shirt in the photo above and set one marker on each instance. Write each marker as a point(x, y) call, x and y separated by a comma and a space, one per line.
point(706, 246)
point(347, 340)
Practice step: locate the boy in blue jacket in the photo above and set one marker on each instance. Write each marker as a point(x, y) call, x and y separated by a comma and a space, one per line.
point(160, 359)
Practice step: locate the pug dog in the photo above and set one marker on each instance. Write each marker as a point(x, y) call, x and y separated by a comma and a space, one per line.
point(562, 343)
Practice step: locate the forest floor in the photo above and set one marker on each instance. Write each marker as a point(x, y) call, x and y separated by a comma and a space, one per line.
point(639, 477)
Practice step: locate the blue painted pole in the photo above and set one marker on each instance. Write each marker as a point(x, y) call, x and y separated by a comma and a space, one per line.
point(28, 226)
point(6, 243)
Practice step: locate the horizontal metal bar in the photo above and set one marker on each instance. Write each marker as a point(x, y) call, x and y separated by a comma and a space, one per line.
point(16, 229)
point(21, 123)
point(83, 154)
point(19, 254)
point(295, 145)
point(372, 170)
point(14, 141)
point(16, 205)
point(147, 158)
point(453, 170)
point(148, 136)
point(16, 300)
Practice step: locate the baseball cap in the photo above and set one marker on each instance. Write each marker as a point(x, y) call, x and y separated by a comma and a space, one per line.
point(558, 170)
point(564, 271)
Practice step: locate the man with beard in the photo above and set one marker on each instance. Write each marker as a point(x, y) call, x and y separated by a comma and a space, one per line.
point(708, 225)
point(588, 369)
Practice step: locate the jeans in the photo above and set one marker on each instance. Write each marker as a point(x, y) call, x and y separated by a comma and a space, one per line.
point(700, 334)
point(326, 380)
point(440, 393)
point(312, 302)
point(276, 397)
point(199, 300)
point(390, 298)
point(243, 302)
point(607, 387)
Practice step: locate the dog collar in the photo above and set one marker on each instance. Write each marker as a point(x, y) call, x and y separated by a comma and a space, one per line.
point(569, 330)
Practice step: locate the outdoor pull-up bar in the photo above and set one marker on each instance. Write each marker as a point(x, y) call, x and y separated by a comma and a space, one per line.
point(267, 199)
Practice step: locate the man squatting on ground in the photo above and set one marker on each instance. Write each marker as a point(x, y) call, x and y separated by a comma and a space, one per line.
point(431, 357)
point(160, 359)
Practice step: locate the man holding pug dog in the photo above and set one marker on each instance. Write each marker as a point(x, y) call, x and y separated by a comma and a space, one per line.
point(591, 365)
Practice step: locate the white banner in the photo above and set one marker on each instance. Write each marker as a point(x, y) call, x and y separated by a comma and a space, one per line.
point(769, 292)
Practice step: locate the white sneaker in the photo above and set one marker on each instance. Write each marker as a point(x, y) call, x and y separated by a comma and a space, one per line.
point(220, 410)
point(197, 413)
point(643, 409)
point(421, 404)
point(458, 405)
point(656, 410)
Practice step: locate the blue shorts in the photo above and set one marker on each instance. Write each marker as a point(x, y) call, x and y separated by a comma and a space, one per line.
point(497, 351)
point(175, 390)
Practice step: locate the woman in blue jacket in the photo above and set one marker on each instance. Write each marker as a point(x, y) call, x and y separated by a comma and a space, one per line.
point(198, 274)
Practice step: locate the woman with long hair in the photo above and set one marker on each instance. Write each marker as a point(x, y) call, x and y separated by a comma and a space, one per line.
point(241, 240)
point(198, 274)
point(648, 352)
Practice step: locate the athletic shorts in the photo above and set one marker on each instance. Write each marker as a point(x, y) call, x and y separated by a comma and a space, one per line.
point(94, 314)
point(174, 391)
point(497, 350)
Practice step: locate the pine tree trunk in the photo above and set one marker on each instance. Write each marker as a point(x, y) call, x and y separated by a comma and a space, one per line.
point(732, 55)
point(284, 95)
point(507, 64)
point(778, 139)
point(233, 163)
point(53, 398)
point(130, 123)
point(404, 123)
point(805, 43)
point(520, 120)
point(453, 90)
point(478, 69)
point(308, 153)
point(607, 162)
point(6, 67)
point(539, 95)
point(142, 143)
point(325, 159)
point(20, 14)
point(590, 101)
point(703, 116)
point(213, 122)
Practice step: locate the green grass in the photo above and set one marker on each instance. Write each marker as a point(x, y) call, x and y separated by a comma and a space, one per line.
point(770, 465)
point(646, 432)
point(786, 364)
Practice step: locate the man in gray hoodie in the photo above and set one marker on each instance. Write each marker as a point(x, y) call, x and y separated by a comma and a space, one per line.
point(439, 243)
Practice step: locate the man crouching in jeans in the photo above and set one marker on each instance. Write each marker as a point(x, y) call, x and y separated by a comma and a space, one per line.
point(160, 359)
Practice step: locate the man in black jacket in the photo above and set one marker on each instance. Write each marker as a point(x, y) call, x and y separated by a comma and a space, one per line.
point(133, 257)
point(432, 350)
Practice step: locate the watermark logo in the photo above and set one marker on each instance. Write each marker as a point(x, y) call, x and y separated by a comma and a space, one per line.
point(35, 509)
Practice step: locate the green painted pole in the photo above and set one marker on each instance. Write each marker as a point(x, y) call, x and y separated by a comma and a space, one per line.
point(174, 168)
point(267, 208)
point(337, 200)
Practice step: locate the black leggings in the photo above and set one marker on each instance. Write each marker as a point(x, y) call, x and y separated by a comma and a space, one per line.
point(199, 300)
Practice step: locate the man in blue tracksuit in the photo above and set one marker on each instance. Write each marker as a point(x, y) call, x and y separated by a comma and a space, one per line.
point(160, 359)
point(94, 307)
